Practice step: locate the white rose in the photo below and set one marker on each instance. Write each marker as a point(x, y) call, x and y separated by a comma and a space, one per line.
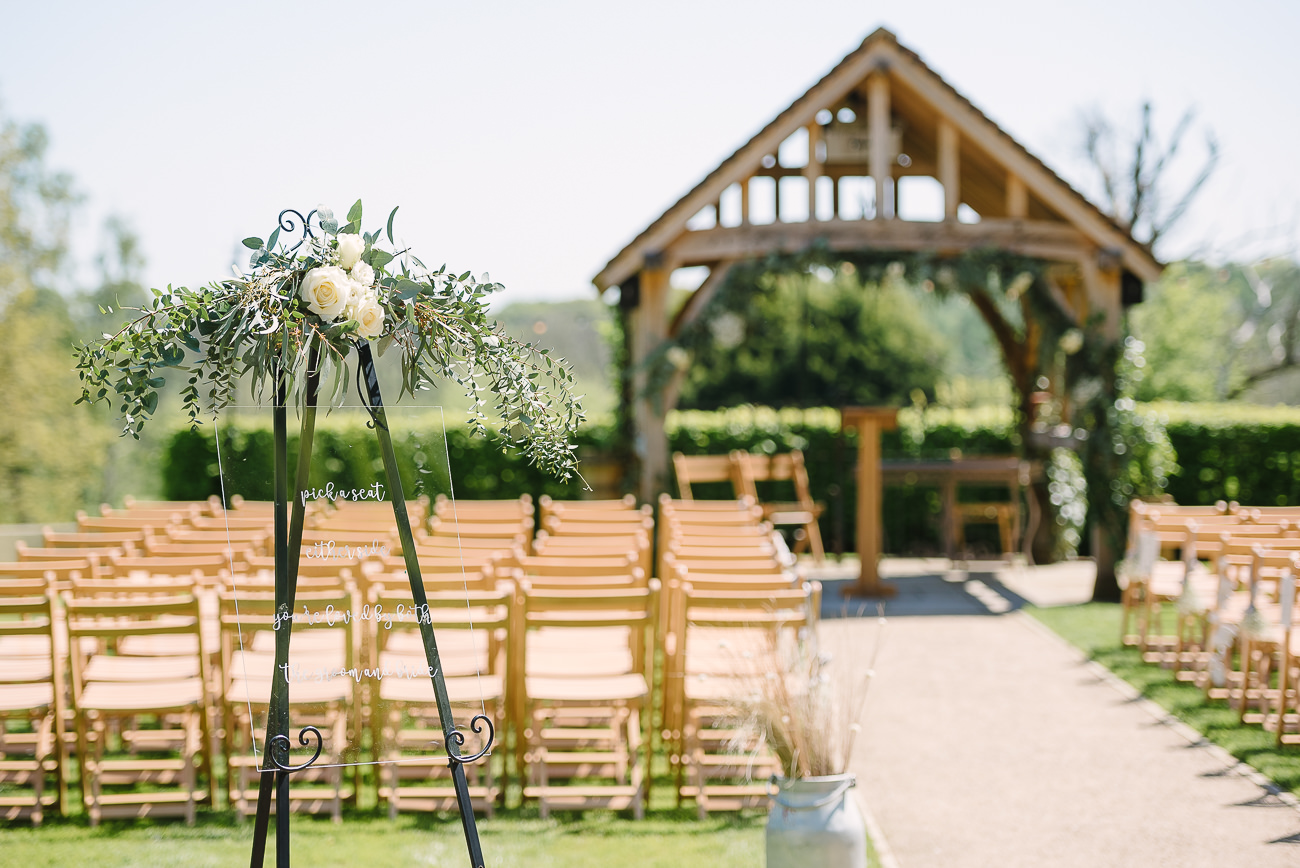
point(363, 274)
point(327, 291)
point(369, 314)
point(350, 249)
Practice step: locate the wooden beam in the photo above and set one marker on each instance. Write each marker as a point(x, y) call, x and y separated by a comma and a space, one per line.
point(744, 201)
point(1051, 190)
point(829, 91)
point(879, 158)
point(1052, 241)
point(949, 168)
point(813, 170)
point(1017, 198)
point(699, 300)
point(649, 330)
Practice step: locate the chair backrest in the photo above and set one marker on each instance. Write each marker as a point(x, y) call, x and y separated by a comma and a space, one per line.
point(97, 524)
point(781, 467)
point(696, 469)
point(547, 506)
point(94, 539)
point(549, 565)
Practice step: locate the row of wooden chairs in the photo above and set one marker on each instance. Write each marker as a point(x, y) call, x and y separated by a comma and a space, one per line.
point(554, 636)
point(1210, 592)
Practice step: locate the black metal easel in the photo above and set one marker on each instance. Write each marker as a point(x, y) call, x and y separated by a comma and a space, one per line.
point(276, 770)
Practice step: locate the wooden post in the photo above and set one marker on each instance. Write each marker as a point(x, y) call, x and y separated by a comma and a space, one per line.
point(878, 129)
point(744, 202)
point(869, 422)
point(813, 170)
point(650, 328)
point(949, 169)
point(1017, 198)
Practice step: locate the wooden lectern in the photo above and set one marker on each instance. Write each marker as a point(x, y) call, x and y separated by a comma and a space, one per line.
point(869, 422)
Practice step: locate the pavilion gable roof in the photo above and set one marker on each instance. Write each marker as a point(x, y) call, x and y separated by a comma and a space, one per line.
point(882, 51)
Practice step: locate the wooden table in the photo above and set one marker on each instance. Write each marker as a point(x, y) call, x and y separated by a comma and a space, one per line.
point(949, 475)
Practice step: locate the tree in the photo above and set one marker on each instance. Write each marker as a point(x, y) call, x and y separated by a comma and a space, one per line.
point(800, 339)
point(1133, 175)
point(1135, 182)
point(49, 449)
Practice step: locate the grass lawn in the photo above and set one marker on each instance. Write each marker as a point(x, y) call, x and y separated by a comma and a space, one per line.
point(1094, 628)
point(598, 839)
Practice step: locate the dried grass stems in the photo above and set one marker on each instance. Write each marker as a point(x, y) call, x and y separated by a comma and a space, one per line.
point(799, 706)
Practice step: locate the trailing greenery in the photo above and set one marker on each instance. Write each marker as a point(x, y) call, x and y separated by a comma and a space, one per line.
point(303, 305)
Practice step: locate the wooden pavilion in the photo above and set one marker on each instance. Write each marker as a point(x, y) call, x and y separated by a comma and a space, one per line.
point(878, 119)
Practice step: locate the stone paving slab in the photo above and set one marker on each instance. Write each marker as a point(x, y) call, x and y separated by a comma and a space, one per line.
point(988, 741)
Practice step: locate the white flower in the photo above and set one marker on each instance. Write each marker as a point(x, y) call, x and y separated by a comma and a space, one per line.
point(368, 313)
point(350, 249)
point(363, 274)
point(327, 291)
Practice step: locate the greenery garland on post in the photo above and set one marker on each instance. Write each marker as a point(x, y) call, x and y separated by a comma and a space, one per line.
point(334, 286)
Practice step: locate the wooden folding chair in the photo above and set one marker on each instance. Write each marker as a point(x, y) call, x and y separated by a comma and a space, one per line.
point(723, 641)
point(803, 512)
point(32, 744)
point(470, 629)
point(115, 696)
point(582, 660)
point(1284, 719)
point(323, 692)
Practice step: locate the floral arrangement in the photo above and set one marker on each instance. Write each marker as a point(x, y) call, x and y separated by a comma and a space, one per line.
point(799, 708)
point(315, 296)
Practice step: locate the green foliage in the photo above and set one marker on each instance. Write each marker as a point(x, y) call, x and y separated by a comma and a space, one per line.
point(578, 330)
point(805, 339)
point(345, 452)
point(51, 452)
point(1212, 333)
point(274, 322)
point(1234, 452)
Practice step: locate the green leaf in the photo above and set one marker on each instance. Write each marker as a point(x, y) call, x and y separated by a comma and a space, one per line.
point(253, 243)
point(150, 404)
point(331, 226)
point(275, 236)
point(380, 258)
point(354, 213)
point(390, 225)
point(408, 289)
point(350, 229)
point(385, 342)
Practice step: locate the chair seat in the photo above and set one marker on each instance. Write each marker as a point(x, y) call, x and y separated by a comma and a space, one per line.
point(136, 696)
point(306, 692)
point(17, 697)
point(469, 688)
point(102, 667)
point(612, 688)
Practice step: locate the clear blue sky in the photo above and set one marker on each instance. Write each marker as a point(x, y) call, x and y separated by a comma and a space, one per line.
point(532, 140)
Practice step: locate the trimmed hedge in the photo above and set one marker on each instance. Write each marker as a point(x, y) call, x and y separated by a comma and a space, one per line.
point(1240, 452)
point(1233, 452)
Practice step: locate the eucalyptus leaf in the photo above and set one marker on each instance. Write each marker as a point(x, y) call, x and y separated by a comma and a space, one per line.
point(253, 243)
point(354, 213)
point(391, 215)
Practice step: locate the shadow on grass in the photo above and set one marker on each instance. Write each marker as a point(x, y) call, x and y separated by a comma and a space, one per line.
point(1094, 628)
